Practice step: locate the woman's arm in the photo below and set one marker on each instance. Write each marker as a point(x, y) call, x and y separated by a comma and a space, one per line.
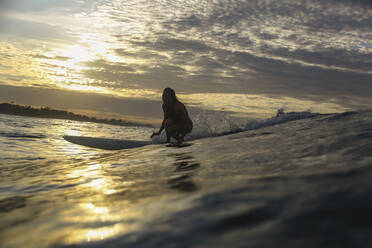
point(162, 124)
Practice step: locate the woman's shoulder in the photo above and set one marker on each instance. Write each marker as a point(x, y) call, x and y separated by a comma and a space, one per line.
point(179, 104)
point(180, 107)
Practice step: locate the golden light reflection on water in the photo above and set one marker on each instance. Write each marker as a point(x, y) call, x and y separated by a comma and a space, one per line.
point(95, 209)
point(92, 186)
point(102, 233)
point(91, 170)
point(109, 221)
point(91, 235)
point(99, 233)
point(90, 195)
point(103, 185)
point(73, 149)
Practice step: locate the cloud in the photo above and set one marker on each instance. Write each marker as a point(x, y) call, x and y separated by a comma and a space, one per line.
point(42, 56)
point(172, 44)
point(298, 48)
point(39, 5)
point(109, 66)
point(26, 29)
point(184, 23)
point(156, 77)
point(15, 78)
point(282, 42)
point(139, 54)
point(222, 70)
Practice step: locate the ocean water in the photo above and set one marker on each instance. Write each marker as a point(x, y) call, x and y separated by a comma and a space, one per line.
point(298, 180)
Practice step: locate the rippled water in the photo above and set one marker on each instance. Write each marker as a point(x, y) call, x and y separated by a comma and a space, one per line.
point(299, 183)
point(37, 138)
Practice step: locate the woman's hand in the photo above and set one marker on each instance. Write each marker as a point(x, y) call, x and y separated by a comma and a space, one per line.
point(155, 133)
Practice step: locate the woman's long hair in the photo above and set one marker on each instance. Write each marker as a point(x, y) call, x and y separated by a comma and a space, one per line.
point(171, 92)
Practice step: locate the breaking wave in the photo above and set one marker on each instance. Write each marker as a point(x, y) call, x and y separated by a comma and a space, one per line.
point(211, 124)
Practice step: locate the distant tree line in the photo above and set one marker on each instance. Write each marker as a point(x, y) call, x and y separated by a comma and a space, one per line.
point(46, 112)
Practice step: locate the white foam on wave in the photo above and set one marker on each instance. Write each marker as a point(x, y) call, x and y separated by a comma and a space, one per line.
point(256, 124)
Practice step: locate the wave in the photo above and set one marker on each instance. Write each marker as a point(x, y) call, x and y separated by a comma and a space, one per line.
point(291, 116)
point(22, 135)
point(211, 124)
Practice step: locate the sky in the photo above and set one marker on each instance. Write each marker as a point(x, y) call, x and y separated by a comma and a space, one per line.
point(245, 58)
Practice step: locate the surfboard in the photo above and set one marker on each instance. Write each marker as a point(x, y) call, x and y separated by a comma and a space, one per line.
point(176, 145)
point(104, 143)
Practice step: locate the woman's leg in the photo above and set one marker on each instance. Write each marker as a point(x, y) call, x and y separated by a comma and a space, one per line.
point(184, 129)
point(172, 129)
point(168, 123)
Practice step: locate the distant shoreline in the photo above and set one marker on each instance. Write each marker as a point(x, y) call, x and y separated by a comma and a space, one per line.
point(46, 112)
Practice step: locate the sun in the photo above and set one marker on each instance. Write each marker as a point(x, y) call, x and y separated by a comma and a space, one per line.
point(78, 53)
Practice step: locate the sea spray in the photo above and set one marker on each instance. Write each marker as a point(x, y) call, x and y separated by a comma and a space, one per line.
point(210, 124)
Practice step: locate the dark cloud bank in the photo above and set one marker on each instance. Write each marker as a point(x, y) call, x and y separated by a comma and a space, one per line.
point(305, 49)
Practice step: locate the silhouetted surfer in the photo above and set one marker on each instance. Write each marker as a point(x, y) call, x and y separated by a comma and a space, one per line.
point(177, 122)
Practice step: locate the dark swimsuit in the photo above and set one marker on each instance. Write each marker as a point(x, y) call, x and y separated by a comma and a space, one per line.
point(171, 114)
